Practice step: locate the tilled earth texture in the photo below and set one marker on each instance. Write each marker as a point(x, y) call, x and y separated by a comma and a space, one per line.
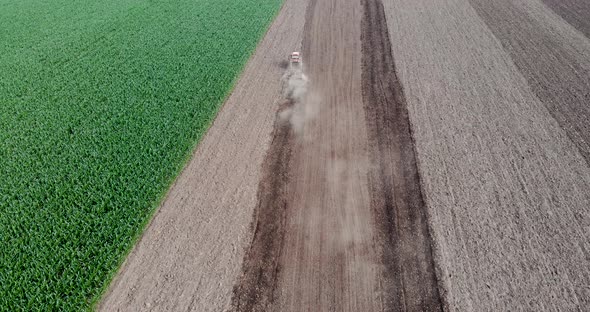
point(425, 156)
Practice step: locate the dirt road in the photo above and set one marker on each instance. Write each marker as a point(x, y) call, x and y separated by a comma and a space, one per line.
point(341, 240)
point(437, 160)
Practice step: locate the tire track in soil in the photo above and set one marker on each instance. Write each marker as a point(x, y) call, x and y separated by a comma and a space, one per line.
point(255, 289)
point(408, 282)
point(396, 197)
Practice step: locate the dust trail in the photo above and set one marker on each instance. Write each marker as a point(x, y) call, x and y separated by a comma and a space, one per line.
point(255, 290)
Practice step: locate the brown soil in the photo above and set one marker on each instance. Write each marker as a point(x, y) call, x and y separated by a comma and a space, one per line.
point(504, 177)
point(355, 236)
point(396, 197)
point(261, 264)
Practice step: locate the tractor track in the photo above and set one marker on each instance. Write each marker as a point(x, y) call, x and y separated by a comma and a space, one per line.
point(396, 196)
point(254, 291)
point(394, 207)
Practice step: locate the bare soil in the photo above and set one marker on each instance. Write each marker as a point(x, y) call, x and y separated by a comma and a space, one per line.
point(344, 227)
point(504, 178)
point(396, 196)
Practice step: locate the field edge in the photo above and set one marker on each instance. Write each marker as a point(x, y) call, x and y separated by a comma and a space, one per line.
point(103, 292)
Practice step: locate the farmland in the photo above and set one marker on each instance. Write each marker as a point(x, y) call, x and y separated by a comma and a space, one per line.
point(101, 104)
point(435, 157)
point(438, 161)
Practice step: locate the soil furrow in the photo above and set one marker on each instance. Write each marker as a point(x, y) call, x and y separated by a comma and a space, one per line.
point(396, 197)
point(254, 290)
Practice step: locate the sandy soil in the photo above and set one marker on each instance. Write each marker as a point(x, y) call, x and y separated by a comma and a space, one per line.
point(437, 159)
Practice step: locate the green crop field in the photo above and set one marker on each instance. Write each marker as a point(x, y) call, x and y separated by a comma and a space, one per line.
point(101, 104)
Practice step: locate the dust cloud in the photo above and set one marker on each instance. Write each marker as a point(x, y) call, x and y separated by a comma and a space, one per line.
point(302, 105)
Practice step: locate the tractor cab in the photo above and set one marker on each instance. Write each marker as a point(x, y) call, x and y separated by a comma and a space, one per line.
point(295, 57)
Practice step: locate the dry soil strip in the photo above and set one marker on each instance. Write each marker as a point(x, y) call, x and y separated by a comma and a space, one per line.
point(396, 197)
point(327, 261)
point(330, 261)
point(254, 290)
point(355, 236)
